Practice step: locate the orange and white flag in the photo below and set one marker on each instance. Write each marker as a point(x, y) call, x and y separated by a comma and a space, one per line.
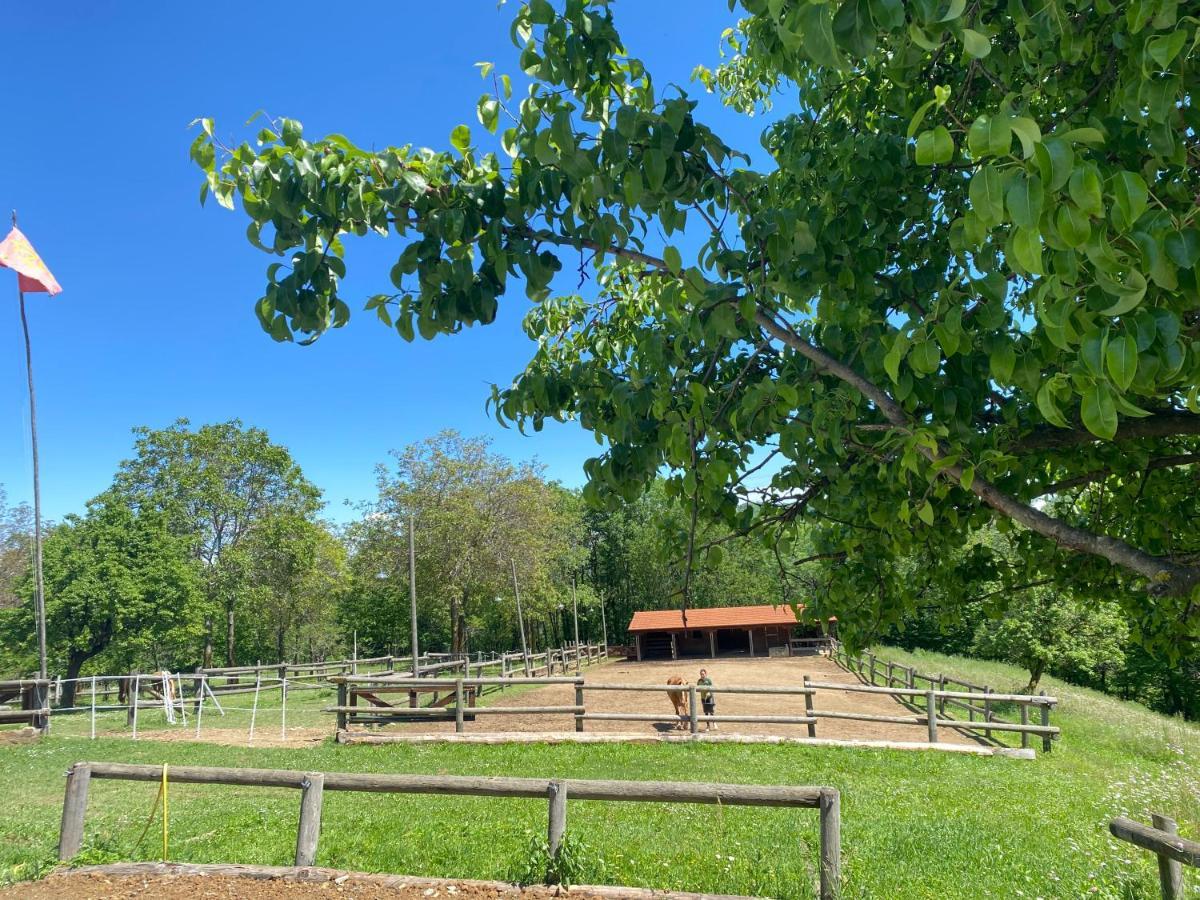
point(17, 253)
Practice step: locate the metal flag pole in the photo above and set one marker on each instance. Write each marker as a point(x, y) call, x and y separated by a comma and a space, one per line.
point(39, 584)
point(412, 593)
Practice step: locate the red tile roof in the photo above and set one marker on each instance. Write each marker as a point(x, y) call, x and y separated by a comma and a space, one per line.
point(715, 617)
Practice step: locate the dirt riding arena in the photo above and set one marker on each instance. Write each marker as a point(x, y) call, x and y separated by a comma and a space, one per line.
point(728, 671)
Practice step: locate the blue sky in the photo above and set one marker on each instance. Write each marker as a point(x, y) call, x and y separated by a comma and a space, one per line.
point(155, 321)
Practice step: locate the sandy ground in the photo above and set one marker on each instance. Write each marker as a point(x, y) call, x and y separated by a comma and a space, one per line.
point(193, 882)
point(730, 671)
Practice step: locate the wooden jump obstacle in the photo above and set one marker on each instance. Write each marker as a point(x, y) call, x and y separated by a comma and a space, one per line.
point(348, 686)
point(1173, 852)
point(312, 786)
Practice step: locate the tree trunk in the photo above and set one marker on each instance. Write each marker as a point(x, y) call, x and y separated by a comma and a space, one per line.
point(1035, 675)
point(229, 653)
point(279, 644)
point(75, 661)
point(208, 643)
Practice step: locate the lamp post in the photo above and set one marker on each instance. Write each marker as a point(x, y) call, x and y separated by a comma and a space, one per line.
point(575, 610)
point(520, 619)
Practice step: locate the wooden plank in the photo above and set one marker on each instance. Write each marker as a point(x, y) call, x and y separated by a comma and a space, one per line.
point(1156, 841)
point(312, 790)
point(1031, 699)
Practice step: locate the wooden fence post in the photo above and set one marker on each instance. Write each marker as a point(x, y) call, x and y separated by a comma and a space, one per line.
point(1024, 721)
point(941, 700)
point(1046, 721)
point(931, 715)
point(808, 709)
point(343, 695)
point(70, 836)
point(579, 702)
point(831, 844)
point(557, 795)
point(312, 791)
point(872, 668)
point(987, 712)
point(1170, 871)
point(693, 722)
point(458, 705)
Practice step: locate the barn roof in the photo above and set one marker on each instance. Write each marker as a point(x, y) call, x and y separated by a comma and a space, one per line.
point(715, 617)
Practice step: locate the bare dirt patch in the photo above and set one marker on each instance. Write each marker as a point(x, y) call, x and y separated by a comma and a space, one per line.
point(727, 671)
point(194, 882)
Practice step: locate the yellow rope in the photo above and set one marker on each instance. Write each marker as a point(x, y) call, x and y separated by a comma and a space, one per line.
point(161, 796)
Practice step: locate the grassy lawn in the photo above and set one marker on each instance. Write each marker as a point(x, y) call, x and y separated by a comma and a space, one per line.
point(915, 824)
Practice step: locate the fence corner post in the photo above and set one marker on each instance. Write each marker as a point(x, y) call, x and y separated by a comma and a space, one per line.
point(556, 792)
point(931, 715)
point(1170, 871)
point(312, 791)
point(808, 708)
point(1046, 744)
point(831, 843)
point(70, 837)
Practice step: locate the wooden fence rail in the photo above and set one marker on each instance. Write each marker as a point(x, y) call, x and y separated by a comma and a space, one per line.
point(556, 791)
point(34, 696)
point(976, 700)
point(351, 688)
point(1162, 840)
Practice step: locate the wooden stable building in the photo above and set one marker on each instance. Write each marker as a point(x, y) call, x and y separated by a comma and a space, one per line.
point(764, 630)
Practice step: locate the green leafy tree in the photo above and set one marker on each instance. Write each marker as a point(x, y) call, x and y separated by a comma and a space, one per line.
point(964, 279)
point(1043, 631)
point(16, 547)
point(120, 585)
point(214, 484)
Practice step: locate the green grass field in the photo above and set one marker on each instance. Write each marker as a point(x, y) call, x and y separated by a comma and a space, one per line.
point(915, 824)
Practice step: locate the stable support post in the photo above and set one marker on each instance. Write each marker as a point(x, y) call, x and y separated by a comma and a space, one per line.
point(831, 844)
point(693, 722)
point(458, 706)
point(312, 791)
point(931, 715)
point(674, 647)
point(70, 836)
point(1170, 871)
point(808, 709)
point(712, 645)
point(579, 703)
point(557, 794)
point(637, 642)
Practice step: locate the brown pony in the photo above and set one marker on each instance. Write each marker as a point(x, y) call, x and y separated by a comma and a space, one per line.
point(676, 697)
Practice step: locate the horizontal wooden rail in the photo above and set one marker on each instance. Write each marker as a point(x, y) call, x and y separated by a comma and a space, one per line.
point(1163, 841)
point(312, 785)
point(1030, 699)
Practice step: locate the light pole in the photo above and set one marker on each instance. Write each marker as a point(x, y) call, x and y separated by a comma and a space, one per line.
point(575, 610)
point(412, 594)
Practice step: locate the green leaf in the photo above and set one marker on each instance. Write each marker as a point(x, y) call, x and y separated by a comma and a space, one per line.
point(816, 24)
point(976, 44)
point(1083, 136)
point(1026, 246)
point(1098, 412)
point(925, 513)
point(1001, 362)
point(1129, 190)
point(953, 11)
point(1073, 225)
point(460, 138)
point(1055, 160)
point(989, 136)
point(853, 28)
point(1166, 47)
point(1048, 405)
point(1027, 133)
point(1130, 291)
point(655, 163)
point(1091, 349)
point(1084, 188)
point(1122, 359)
point(935, 147)
point(672, 259)
point(1025, 199)
point(986, 194)
point(1183, 247)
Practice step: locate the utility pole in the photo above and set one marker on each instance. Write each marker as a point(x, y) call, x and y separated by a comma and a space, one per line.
point(520, 619)
point(575, 610)
point(412, 593)
point(604, 623)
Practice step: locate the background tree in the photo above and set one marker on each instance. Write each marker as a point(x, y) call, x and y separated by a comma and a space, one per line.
point(120, 585)
point(16, 547)
point(214, 484)
point(964, 280)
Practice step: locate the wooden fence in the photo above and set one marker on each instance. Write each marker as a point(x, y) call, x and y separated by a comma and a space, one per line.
point(978, 701)
point(351, 689)
point(1173, 852)
point(34, 696)
point(312, 786)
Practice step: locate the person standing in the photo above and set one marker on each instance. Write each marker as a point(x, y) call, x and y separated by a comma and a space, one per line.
point(707, 701)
